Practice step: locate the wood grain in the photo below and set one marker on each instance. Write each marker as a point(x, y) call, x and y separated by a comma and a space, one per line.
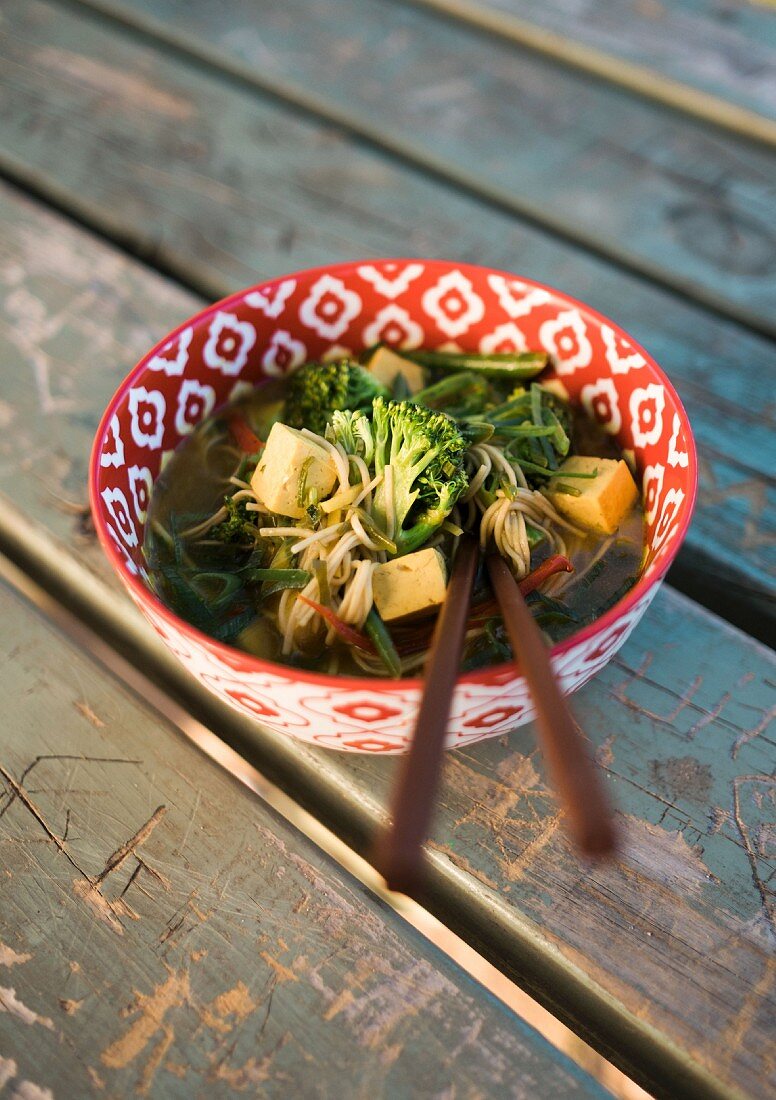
point(220, 186)
point(164, 933)
point(654, 959)
point(660, 193)
point(714, 60)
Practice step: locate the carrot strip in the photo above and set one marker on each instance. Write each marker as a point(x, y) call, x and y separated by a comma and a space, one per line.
point(556, 564)
point(247, 440)
point(349, 633)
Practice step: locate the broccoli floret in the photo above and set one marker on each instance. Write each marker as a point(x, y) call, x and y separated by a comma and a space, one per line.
point(238, 525)
point(316, 390)
point(425, 451)
point(353, 432)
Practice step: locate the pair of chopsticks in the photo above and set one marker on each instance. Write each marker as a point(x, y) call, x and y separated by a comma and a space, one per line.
point(399, 851)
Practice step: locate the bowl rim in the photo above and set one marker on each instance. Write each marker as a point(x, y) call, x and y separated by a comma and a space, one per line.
point(496, 672)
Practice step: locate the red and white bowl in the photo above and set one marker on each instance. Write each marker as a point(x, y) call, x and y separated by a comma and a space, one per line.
point(263, 332)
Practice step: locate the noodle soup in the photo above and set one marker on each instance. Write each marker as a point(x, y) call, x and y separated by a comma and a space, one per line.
point(314, 522)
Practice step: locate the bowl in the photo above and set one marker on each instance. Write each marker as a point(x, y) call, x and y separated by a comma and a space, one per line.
point(263, 332)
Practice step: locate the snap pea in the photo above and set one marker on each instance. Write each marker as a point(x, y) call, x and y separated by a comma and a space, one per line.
point(524, 364)
point(377, 632)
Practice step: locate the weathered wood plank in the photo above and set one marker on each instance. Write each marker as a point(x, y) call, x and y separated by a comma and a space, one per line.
point(656, 959)
point(163, 932)
point(660, 192)
point(699, 48)
point(221, 187)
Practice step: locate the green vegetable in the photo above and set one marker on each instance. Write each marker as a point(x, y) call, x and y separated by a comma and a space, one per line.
point(475, 431)
point(353, 432)
point(301, 489)
point(374, 532)
point(257, 558)
point(515, 409)
point(532, 429)
point(216, 589)
point(575, 474)
point(178, 522)
point(488, 647)
point(238, 526)
point(312, 509)
point(425, 451)
point(534, 534)
point(525, 364)
point(227, 630)
point(184, 598)
point(316, 390)
point(291, 578)
point(559, 437)
point(322, 576)
point(534, 468)
point(192, 607)
point(552, 618)
point(550, 606)
point(537, 415)
point(280, 574)
point(283, 557)
point(461, 394)
point(377, 632)
point(560, 408)
point(522, 430)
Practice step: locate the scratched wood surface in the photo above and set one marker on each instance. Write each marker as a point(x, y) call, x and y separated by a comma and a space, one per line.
point(662, 193)
point(683, 722)
point(164, 932)
point(724, 50)
point(221, 186)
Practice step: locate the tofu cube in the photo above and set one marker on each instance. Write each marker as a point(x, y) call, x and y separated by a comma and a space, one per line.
point(603, 501)
point(410, 586)
point(385, 365)
point(276, 478)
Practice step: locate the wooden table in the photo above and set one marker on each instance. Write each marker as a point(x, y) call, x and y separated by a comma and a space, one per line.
point(162, 930)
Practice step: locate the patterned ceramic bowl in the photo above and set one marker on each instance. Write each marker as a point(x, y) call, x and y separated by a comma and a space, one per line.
point(262, 333)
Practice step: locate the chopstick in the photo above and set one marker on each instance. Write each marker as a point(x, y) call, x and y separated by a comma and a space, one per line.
point(398, 855)
point(571, 767)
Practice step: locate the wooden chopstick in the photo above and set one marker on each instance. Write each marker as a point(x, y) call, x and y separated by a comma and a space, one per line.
point(571, 767)
point(398, 855)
